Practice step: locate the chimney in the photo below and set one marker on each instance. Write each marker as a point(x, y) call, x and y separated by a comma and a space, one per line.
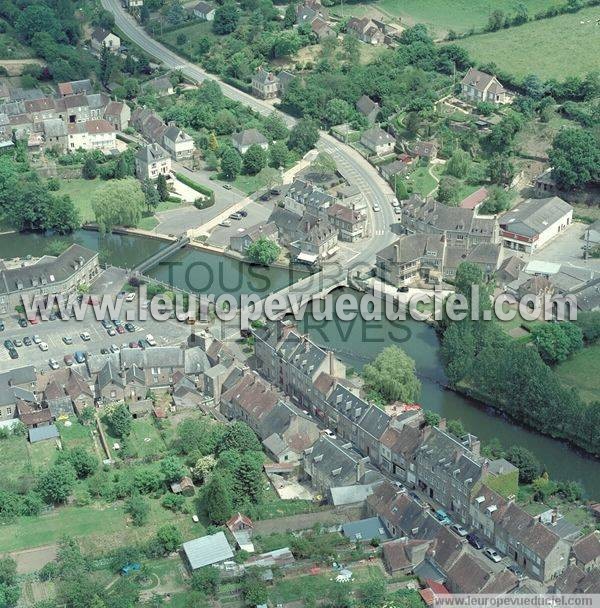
point(360, 470)
point(331, 358)
point(396, 252)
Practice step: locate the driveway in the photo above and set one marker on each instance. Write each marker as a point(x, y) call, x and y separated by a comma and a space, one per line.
point(567, 249)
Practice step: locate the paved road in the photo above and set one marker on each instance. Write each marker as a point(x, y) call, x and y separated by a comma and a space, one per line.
point(350, 163)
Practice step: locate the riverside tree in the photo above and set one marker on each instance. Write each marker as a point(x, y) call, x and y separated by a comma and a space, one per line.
point(118, 203)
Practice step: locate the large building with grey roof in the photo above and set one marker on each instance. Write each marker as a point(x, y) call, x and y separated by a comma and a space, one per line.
point(50, 275)
point(532, 223)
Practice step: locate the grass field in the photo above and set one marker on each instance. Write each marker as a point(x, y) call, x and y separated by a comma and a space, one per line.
point(80, 191)
point(551, 48)
point(421, 181)
point(441, 15)
point(581, 372)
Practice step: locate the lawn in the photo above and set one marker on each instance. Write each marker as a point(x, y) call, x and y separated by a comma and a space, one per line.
point(441, 15)
point(80, 191)
point(581, 372)
point(145, 439)
point(96, 526)
point(421, 181)
point(567, 45)
point(76, 435)
point(15, 463)
point(192, 33)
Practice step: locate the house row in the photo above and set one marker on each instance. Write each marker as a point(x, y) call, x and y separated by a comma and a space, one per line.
point(171, 138)
point(450, 471)
point(429, 258)
point(48, 275)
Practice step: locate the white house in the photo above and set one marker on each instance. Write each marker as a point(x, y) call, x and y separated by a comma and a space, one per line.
point(101, 37)
point(151, 161)
point(203, 10)
point(178, 143)
point(532, 223)
point(92, 135)
point(250, 137)
point(479, 86)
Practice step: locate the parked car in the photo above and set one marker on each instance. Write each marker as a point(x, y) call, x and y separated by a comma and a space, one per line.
point(85, 336)
point(129, 326)
point(225, 223)
point(492, 554)
point(416, 498)
point(143, 343)
point(43, 346)
point(67, 340)
point(68, 359)
point(117, 322)
point(227, 186)
point(150, 339)
point(8, 344)
point(106, 323)
point(133, 344)
point(376, 207)
point(18, 342)
point(13, 353)
point(130, 297)
point(120, 329)
point(459, 530)
point(33, 320)
point(104, 351)
point(27, 341)
point(517, 571)
point(235, 216)
point(36, 339)
point(243, 213)
point(403, 289)
point(442, 516)
point(265, 197)
point(53, 363)
point(275, 191)
point(79, 356)
point(22, 322)
point(475, 541)
point(2, 326)
point(111, 331)
point(114, 348)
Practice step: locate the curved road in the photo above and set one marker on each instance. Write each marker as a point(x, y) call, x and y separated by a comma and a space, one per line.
point(350, 163)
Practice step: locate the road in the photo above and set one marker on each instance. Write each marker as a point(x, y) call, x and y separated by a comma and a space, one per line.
point(350, 163)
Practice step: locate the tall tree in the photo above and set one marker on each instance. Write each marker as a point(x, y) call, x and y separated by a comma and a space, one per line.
point(217, 500)
point(118, 203)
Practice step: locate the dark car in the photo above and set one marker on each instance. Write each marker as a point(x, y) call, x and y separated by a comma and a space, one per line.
point(22, 322)
point(416, 498)
point(275, 191)
point(516, 570)
point(243, 213)
point(68, 359)
point(130, 327)
point(13, 353)
point(134, 345)
point(2, 326)
point(79, 356)
point(8, 344)
point(27, 341)
point(402, 289)
point(106, 324)
point(144, 343)
point(475, 541)
point(104, 351)
point(265, 197)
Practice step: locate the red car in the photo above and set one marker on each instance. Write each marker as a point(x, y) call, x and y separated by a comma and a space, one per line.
point(120, 329)
point(134, 345)
point(69, 360)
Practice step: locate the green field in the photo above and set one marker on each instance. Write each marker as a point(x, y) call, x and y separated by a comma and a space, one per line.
point(551, 48)
point(441, 15)
point(581, 372)
point(421, 181)
point(80, 191)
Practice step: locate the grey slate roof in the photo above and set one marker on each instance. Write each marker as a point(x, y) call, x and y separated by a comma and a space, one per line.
point(366, 529)
point(248, 137)
point(374, 421)
point(108, 375)
point(42, 433)
point(207, 550)
point(365, 105)
point(533, 216)
point(152, 153)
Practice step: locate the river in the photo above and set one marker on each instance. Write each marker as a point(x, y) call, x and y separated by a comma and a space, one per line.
point(355, 342)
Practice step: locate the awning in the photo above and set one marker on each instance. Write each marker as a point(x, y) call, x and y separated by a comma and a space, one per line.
point(309, 258)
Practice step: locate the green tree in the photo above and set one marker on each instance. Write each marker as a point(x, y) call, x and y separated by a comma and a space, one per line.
point(575, 158)
point(337, 111)
point(9, 588)
point(169, 537)
point(120, 420)
point(274, 127)
point(458, 164)
point(278, 154)
point(83, 462)
point(106, 65)
point(239, 437)
point(118, 203)
point(264, 251)
point(498, 200)
point(556, 342)
point(151, 195)
point(56, 484)
point(203, 468)
point(431, 418)
point(373, 593)
point(162, 187)
point(206, 580)
point(392, 375)
point(304, 136)
point(231, 164)
point(528, 465)
point(90, 168)
point(456, 428)
point(448, 190)
point(175, 13)
point(217, 500)
point(255, 159)
point(254, 588)
point(323, 165)
point(501, 169)
point(171, 469)
point(226, 18)
point(138, 509)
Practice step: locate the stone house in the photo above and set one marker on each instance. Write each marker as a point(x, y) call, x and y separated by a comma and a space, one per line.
point(378, 141)
point(368, 108)
point(204, 11)
point(161, 86)
point(242, 240)
point(351, 224)
point(118, 114)
point(75, 87)
point(110, 384)
point(366, 30)
point(478, 86)
point(151, 161)
point(55, 134)
point(586, 551)
point(249, 137)
point(103, 38)
point(80, 392)
point(178, 143)
point(92, 135)
point(265, 84)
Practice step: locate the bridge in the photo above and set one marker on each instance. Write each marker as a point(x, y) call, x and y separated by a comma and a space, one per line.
point(163, 254)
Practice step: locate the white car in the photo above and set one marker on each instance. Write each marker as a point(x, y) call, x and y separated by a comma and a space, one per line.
point(43, 346)
point(114, 348)
point(130, 297)
point(85, 336)
point(376, 207)
point(458, 529)
point(151, 340)
point(492, 554)
point(53, 363)
point(36, 339)
point(225, 223)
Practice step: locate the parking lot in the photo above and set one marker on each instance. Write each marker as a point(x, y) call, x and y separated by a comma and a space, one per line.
point(52, 333)
point(258, 212)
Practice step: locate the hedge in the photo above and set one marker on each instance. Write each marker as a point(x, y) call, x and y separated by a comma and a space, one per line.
point(207, 192)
